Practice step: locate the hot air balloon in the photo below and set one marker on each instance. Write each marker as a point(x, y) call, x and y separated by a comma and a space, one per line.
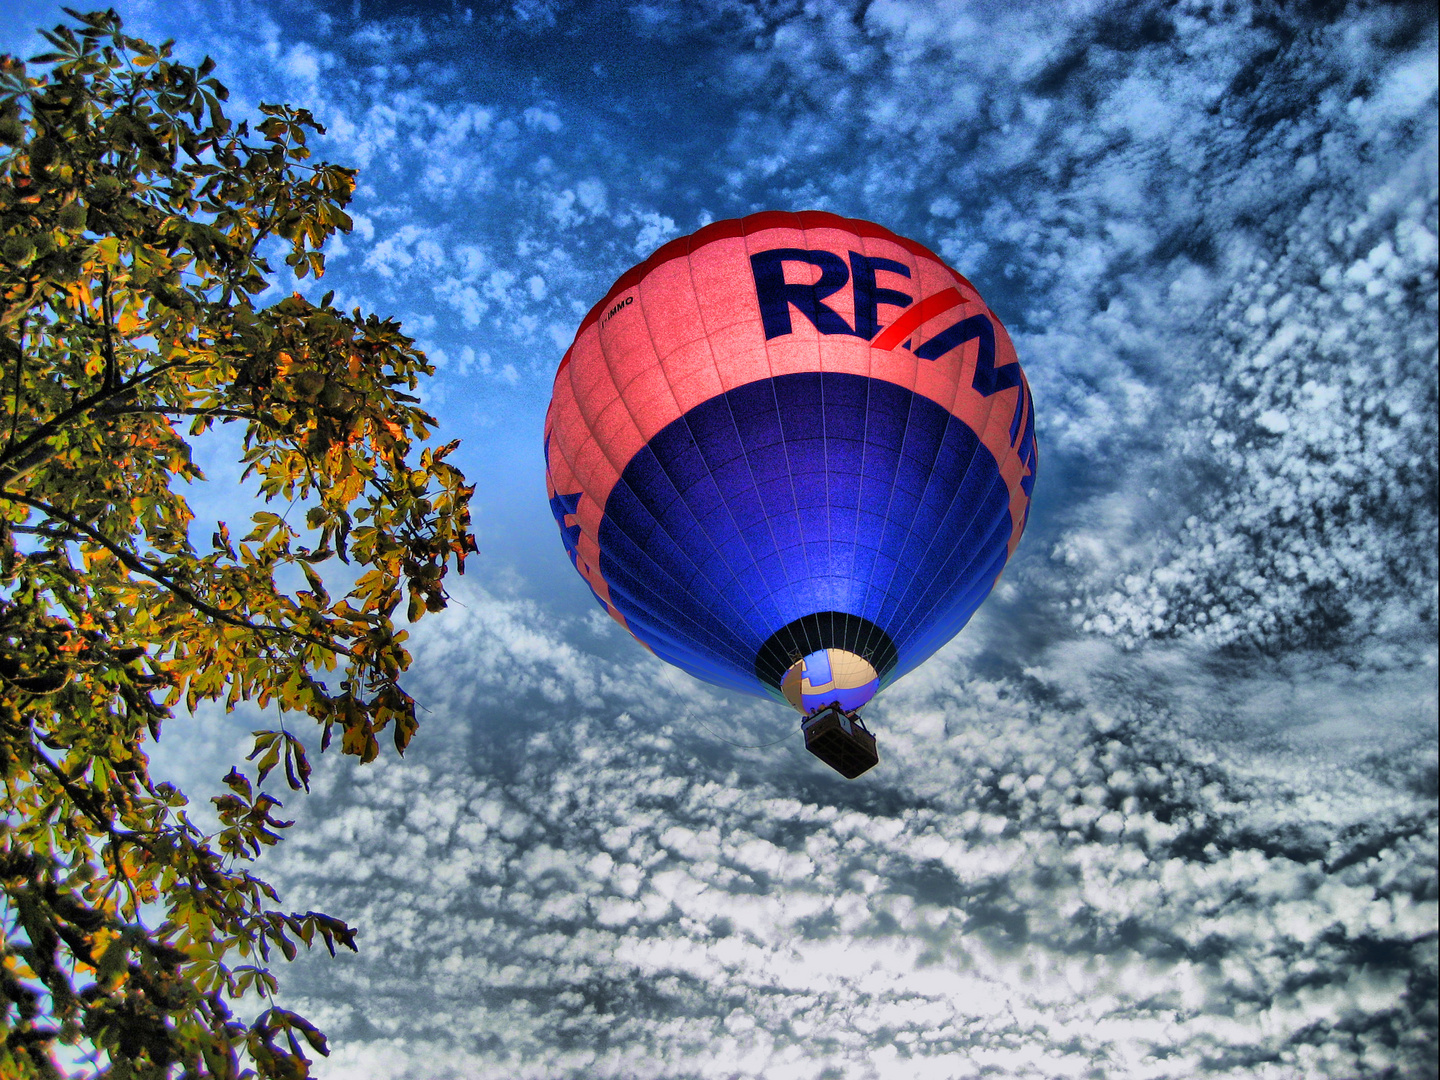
point(791, 454)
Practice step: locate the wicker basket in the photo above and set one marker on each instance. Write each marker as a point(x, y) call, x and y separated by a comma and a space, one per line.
point(841, 740)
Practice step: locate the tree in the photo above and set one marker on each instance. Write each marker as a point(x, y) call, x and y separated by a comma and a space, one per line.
point(135, 222)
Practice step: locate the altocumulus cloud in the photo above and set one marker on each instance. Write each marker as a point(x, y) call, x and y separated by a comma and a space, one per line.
point(1178, 819)
point(1049, 879)
point(1168, 807)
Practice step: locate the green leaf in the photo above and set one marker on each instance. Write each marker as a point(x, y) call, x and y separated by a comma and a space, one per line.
point(236, 780)
point(268, 762)
point(112, 961)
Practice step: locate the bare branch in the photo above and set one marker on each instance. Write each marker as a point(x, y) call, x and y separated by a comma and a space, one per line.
point(162, 410)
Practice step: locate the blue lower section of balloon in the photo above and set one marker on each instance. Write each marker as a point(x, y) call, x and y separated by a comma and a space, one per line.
point(803, 493)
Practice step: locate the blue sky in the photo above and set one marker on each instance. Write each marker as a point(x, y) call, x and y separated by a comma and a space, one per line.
point(1166, 808)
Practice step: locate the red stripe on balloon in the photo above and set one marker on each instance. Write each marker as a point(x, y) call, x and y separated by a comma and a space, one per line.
point(916, 317)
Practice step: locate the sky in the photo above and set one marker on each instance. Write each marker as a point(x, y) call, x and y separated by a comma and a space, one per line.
point(1166, 808)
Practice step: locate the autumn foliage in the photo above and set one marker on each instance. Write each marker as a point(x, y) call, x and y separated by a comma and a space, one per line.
point(136, 221)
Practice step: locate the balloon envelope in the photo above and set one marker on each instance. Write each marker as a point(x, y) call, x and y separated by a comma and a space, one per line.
point(790, 439)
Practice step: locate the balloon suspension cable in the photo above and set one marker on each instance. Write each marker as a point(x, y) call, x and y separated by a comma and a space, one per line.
point(743, 746)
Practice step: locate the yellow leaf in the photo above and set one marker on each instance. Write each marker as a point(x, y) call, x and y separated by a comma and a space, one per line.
point(100, 940)
point(80, 293)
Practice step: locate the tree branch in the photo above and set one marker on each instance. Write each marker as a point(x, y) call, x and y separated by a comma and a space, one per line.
point(41, 530)
point(81, 799)
point(15, 394)
point(156, 574)
point(228, 414)
point(107, 315)
point(17, 461)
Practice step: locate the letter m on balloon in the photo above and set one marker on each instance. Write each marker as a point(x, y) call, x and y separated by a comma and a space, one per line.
point(988, 378)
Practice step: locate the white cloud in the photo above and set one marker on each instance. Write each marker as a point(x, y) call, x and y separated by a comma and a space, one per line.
point(655, 229)
point(561, 207)
point(538, 119)
point(1088, 887)
point(465, 299)
point(304, 63)
point(407, 247)
point(592, 195)
point(363, 226)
